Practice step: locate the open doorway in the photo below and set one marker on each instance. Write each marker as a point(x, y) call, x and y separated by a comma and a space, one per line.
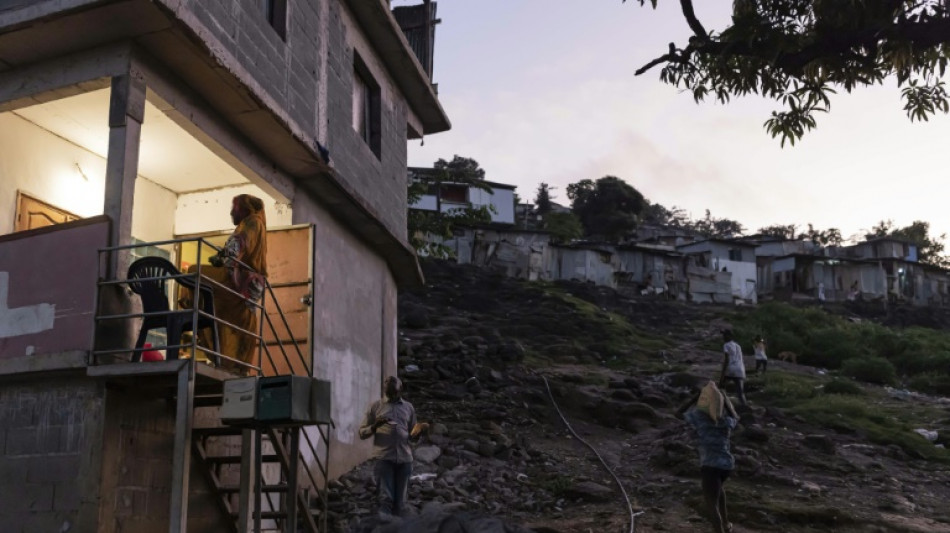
point(53, 159)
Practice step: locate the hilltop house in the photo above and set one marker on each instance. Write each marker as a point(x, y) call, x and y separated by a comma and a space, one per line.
point(446, 196)
point(727, 255)
point(134, 122)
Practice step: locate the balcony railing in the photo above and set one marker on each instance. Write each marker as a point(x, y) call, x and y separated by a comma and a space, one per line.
point(288, 358)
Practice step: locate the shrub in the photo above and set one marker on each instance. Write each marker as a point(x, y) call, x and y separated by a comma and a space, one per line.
point(870, 369)
point(936, 384)
point(787, 389)
point(830, 347)
point(841, 386)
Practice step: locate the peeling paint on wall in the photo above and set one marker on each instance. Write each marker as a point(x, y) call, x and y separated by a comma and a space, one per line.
point(24, 320)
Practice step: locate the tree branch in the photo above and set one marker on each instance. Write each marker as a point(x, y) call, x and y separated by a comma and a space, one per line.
point(693, 22)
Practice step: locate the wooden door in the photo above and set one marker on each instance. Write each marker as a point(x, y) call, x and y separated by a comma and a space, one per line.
point(32, 213)
point(289, 267)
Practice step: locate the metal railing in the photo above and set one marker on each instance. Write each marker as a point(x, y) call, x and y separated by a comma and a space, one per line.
point(196, 281)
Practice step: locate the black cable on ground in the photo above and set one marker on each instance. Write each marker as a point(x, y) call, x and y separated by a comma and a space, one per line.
point(633, 515)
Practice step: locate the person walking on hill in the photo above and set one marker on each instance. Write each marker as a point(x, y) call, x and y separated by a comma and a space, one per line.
point(733, 367)
point(391, 421)
point(712, 418)
point(761, 360)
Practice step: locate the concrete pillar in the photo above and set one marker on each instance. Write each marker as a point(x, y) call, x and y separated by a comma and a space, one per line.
point(126, 112)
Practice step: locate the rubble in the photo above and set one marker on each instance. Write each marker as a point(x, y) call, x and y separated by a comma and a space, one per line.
point(498, 457)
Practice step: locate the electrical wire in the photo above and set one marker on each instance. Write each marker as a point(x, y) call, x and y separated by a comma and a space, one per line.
point(633, 515)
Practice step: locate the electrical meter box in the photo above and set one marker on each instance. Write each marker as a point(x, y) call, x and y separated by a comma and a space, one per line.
point(320, 395)
point(240, 400)
point(284, 399)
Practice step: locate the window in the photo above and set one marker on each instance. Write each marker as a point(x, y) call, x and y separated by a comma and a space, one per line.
point(275, 13)
point(366, 106)
point(735, 254)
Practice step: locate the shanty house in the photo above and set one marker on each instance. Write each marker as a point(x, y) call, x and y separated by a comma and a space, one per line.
point(726, 255)
point(126, 127)
point(445, 196)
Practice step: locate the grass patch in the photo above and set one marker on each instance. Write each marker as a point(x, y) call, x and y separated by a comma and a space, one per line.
point(843, 386)
point(609, 335)
point(877, 422)
point(865, 350)
point(785, 390)
point(556, 484)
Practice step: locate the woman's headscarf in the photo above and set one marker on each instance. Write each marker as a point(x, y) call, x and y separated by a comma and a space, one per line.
point(252, 230)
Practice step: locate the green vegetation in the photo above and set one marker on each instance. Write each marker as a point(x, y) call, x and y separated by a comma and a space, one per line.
point(871, 369)
point(556, 484)
point(842, 386)
point(842, 406)
point(591, 334)
point(918, 357)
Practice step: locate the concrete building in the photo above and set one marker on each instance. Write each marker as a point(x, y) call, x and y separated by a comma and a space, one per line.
point(136, 121)
point(727, 255)
point(449, 196)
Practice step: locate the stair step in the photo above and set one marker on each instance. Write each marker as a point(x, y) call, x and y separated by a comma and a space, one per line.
point(216, 431)
point(236, 459)
point(281, 487)
point(271, 515)
point(211, 400)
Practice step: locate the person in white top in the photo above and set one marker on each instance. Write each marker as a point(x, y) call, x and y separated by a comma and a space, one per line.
point(761, 360)
point(733, 367)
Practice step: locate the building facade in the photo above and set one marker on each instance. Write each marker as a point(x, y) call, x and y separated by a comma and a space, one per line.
point(136, 121)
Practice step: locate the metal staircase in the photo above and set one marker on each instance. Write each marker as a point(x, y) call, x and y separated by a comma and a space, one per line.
point(261, 475)
point(267, 477)
point(271, 507)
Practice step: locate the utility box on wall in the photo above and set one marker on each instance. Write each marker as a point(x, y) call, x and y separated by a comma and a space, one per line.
point(284, 399)
point(240, 400)
point(320, 395)
point(276, 400)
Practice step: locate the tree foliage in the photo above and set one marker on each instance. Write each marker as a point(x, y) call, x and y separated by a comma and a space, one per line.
point(659, 215)
point(827, 237)
point(427, 230)
point(712, 227)
point(929, 248)
point(609, 208)
point(564, 227)
point(780, 231)
point(799, 52)
point(459, 170)
point(542, 200)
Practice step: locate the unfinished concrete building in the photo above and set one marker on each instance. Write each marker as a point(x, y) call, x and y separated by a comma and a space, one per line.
point(126, 127)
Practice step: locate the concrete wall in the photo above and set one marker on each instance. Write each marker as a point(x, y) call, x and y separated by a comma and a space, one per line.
point(583, 265)
point(137, 448)
point(45, 167)
point(354, 327)
point(307, 81)
point(503, 200)
point(205, 211)
point(285, 73)
point(50, 430)
point(47, 289)
point(58, 172)
point(518, 254)
point(381, 181)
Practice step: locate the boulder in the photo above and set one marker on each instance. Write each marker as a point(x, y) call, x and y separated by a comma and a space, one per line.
point(590, 491)
point(427, 454)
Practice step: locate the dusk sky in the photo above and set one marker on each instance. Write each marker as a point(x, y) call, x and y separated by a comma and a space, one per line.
point(542, 91)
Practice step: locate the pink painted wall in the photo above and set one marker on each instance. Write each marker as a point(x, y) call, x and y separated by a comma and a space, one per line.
point(47, 288)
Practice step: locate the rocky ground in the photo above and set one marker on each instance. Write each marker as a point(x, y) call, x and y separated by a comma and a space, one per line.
point(488, 361)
